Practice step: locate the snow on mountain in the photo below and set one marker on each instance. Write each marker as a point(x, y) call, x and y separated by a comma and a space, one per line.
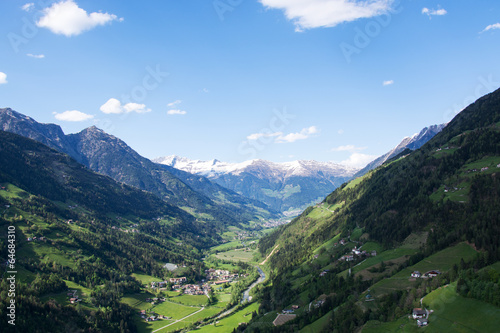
point(214, 168)
point(285, 187)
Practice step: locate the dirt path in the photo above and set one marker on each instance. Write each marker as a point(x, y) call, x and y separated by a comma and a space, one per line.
point(270, 254)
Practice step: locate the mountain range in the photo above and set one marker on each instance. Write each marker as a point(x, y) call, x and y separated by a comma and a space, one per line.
point(287, 187)
point(227, 192)
point(110, 156)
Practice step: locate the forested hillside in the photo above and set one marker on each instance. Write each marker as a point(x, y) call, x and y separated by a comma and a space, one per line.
point(77, 228)
point(431, 200)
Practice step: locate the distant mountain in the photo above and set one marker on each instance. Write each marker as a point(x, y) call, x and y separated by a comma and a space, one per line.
point(412, 143)
point(111, 156)
point(285, 187)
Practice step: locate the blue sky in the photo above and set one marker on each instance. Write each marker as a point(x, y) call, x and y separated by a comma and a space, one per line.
point(329, 80)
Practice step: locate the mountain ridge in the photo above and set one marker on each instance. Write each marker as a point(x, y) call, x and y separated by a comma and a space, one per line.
point(414, 142)
point(108, 155)
point(286, 187)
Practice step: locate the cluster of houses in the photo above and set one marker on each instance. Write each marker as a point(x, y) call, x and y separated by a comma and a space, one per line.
point(220, 275)
point(156, 300)
point(421, 316)
point(447, 148)
point(290, 311)
point(73, 296)
point(193, 289)
point(426, 275)
point(34, 239)
point(152, 316)
point(448, 189)
point(482, 169)
point(178, 285)
point(357, 253)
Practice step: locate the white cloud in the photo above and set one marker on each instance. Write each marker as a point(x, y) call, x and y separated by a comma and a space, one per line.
point(36, 56)
point(357, 160)
point(3, 78)
point(257, 136)
point(388, 82)
point(302, 135)
point(135, 107)
point(66, 18)
point(28, 7)
point(72, 116)
point(350, 148)
point(175, 103)
point(492, 27)
point(434, 12)
point(308, 14)
point(114, 106)
point(176, 112)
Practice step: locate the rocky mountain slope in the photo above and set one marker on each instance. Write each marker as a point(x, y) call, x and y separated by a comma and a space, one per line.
point(414, 142)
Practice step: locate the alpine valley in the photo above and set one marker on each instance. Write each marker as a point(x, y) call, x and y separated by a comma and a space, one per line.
point(102, 239)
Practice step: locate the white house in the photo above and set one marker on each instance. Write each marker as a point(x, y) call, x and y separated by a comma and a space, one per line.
point(416, 274)
point(419, 313)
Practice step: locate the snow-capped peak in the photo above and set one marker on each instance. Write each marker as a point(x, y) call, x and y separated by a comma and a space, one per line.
point(282, 170)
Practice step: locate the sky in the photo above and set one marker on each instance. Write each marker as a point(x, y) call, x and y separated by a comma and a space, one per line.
point(233, 80)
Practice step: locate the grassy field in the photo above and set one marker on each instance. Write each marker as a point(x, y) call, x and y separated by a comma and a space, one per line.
point(138, 300)
point(191, 300)
point(227, 246)
point(451, 313)
point(318, 325)
point(191, 306)
point(62, 297)
point(454, 313)
point(174, 310)
point(385, 256)
point(145, 279)
point(229, 323)
point(237, 255)
point(442, 261)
